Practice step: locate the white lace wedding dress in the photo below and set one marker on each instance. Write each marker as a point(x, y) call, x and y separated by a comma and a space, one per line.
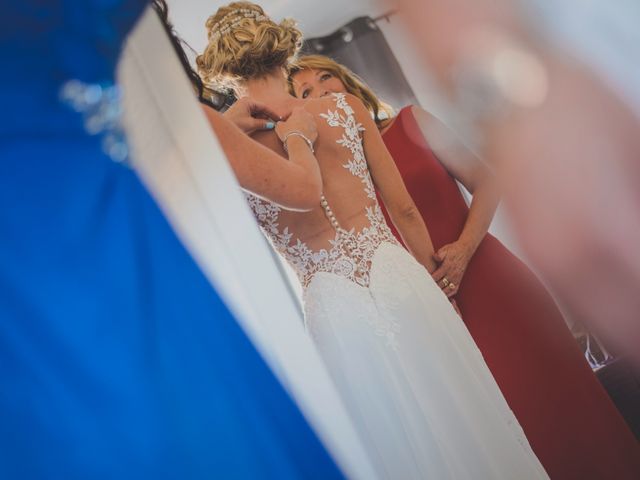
point(416, 385)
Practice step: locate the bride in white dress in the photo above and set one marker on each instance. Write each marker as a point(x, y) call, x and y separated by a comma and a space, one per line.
point(419, 392)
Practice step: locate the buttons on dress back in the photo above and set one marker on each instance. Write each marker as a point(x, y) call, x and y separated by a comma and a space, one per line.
point(330, 215)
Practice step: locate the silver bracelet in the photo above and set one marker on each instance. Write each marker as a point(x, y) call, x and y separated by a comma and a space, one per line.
point(297, 134)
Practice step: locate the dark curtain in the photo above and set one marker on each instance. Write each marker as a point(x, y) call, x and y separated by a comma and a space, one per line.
point(361, 46)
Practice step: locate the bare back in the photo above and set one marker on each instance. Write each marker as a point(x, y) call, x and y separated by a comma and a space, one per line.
point(339, 236)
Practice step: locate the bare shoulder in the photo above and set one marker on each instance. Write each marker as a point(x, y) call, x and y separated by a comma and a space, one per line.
point(318, 106)
point(333, 102)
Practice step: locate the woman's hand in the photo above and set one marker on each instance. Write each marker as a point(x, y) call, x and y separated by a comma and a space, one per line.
point(452, 260)
point(299, 121)
point(250, 115)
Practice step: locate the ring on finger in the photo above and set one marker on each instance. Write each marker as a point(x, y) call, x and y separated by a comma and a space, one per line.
point(452, 285)
point(445, 281)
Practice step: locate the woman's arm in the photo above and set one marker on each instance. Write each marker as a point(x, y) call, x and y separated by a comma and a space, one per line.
point(294, 184)
point(386, 177)
point(478, 179)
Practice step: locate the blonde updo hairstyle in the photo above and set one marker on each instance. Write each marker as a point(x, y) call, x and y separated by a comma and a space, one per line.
point(382, 112)
point(245, 44)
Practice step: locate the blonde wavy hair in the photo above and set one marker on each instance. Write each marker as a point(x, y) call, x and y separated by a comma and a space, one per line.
point(352, 82)
point(245, 44)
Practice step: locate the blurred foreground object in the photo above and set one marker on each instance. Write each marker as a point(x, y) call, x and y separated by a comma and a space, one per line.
point(565, 147)
point(118, 359)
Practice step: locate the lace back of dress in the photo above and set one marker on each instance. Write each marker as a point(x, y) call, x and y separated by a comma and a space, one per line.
point(351, 252)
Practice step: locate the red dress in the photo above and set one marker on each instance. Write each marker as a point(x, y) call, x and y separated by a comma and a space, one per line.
point(571, 423)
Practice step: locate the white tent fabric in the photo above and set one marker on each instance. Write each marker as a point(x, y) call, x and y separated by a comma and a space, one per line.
point(182, 165)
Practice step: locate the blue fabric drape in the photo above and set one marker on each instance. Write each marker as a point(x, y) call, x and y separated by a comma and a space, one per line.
point(117, 357)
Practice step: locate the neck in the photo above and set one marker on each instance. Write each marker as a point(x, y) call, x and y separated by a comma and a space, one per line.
point(270, 90)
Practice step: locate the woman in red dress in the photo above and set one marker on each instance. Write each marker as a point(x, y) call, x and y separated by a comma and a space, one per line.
point(570, 421)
